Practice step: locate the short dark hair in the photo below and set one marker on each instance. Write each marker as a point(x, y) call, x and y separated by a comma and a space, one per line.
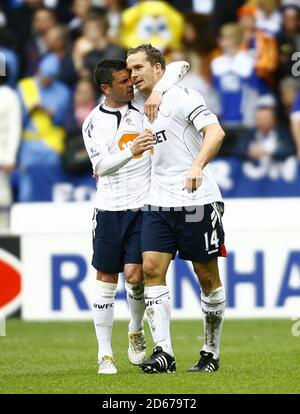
point(105, 69)
point(153, 55)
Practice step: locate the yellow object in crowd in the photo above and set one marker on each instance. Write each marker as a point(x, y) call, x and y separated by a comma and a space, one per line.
point(44, 128)
point(154, 22)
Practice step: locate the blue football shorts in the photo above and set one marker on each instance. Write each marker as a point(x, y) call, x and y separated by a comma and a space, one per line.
point(195, 232)
point(116, 239)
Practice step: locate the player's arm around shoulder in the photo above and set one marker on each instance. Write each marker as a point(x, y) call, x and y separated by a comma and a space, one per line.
point(175, 71)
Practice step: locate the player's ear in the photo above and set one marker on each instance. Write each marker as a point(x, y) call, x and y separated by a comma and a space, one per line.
point(158, 67)
point(105, 88)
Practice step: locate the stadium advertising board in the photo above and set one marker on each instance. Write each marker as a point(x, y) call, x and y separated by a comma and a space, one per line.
point(261, 273)
point(10, 275)
point(236, 178)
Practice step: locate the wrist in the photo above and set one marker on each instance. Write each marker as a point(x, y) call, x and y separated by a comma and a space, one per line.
point(198, 164)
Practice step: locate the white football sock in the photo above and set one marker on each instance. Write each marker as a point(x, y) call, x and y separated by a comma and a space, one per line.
point(213, 308)
point(103, 313)
point(137, 306)
point(158, 310)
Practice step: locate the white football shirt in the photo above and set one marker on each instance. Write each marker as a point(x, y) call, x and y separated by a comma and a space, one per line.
point(108, 131)
point(181, 116)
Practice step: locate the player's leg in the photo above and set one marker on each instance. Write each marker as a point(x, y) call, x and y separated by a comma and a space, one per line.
point(134, 286)
point(157, 298)
point(103, 315)
point(158, 310)
point(107, 261)
point(158, 243)
point(201, 240)
point(213, 304)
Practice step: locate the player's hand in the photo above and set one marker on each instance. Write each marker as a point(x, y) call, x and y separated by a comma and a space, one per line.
point(142, 143)
point(193, 179)
point(152, 105)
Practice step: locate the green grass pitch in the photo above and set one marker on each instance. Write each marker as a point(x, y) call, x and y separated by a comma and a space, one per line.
point(258, 356)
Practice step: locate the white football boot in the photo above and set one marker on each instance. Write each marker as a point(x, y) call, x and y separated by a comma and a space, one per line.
point(107, 366)
point(136, 348)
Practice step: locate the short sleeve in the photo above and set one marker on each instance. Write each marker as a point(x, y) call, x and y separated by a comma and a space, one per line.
point(95, 140)
point(196, 112)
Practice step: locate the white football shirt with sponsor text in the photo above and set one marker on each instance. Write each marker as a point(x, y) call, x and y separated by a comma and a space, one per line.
point(182, 115)
point(109, 131)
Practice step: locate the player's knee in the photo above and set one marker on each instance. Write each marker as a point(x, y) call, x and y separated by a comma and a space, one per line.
point(150, 269)
point(134, 278)
point(107, 277)
point(134, 274)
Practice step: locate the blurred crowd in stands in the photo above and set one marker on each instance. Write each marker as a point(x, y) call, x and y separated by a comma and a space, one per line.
point(244, 56)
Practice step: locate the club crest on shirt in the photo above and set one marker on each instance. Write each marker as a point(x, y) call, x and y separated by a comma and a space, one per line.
point(130, 122)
